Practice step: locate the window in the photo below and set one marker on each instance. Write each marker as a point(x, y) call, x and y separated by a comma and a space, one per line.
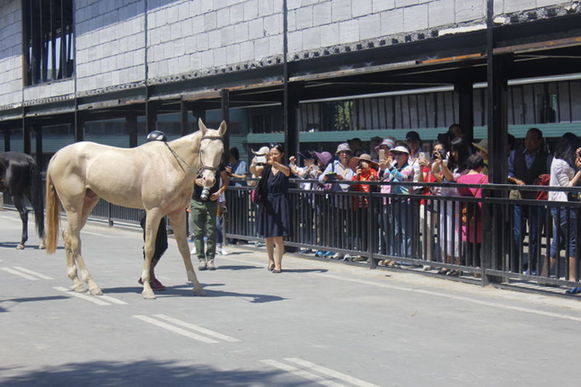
point(48, 40)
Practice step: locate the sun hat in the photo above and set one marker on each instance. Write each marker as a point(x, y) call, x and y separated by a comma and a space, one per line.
point(481, 145)
point(343, 147)
point(323, 157)
point(387, 142)
point(263, 151)
point(401, 149)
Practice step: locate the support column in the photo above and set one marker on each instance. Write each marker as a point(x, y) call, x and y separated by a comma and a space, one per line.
point(7, 140)
point(150, 116)
point(494, 220)
point(131, 125)
point(26, 136)
point(464, 91)
point(225, 94)
point(290, 121)
point(38, 146)
point(497, 117)
point(184, 111)
point(198, 113)
point(79, 126)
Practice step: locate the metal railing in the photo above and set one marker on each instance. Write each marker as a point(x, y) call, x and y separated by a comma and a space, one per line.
point(493, 238)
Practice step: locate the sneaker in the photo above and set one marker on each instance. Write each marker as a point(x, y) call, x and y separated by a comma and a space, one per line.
point(319, 253)
point(328, 254)
point(202, 265)
point(193, 251)
point(210, 265)
point(305, 251)
point(338, 256)
point(359, 258)
point(156, 285)
point(223, 251)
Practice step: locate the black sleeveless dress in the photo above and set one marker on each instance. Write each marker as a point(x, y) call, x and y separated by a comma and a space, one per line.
point(273, 213)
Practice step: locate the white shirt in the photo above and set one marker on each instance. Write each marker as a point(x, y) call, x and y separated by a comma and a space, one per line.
point(561, 175)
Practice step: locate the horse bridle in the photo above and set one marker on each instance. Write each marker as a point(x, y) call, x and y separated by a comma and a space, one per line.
point(203, 167)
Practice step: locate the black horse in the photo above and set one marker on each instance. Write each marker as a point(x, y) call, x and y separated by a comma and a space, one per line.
point(20, 177)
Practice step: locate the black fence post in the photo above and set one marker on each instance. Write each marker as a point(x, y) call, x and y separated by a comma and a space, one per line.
point(371, 229)
point(109, 219)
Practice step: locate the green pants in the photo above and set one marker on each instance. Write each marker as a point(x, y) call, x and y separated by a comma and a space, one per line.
point(204, 225)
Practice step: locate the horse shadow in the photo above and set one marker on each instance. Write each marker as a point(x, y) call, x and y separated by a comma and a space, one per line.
point(185, 290)
point(141, 373)
point(31, 299)
point(12, 245)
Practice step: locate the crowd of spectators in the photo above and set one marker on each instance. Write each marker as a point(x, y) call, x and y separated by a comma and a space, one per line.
point(440, 227)
point(434, 223)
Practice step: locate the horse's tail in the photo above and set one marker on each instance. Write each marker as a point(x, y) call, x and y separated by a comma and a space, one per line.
point(52, 215)
point(36, 198)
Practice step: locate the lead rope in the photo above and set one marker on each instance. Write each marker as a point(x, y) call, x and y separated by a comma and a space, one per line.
point(179, 158)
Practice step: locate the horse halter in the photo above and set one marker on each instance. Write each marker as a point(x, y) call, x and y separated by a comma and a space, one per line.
point(205, 167)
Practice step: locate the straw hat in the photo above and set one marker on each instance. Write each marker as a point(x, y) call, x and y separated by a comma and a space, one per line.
point(481, 145)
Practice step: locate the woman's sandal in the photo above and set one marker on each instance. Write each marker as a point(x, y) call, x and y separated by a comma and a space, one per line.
point(276, 271)
point(270, 267)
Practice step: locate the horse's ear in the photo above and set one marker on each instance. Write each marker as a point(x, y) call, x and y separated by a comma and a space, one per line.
point(201, 126)
point(222, 128)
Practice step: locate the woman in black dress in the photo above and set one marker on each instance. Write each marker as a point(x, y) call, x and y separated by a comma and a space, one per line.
point(273, 210)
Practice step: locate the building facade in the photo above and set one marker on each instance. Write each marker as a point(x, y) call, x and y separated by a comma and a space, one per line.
point(308, 73)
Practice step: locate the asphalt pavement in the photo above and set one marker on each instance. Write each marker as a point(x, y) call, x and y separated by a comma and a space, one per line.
point(317, 323)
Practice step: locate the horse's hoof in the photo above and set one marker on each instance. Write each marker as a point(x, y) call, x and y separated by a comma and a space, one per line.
point(96, 291)
point(79, 289)
point(20, 246)
point(148, 294)
point(199, 292)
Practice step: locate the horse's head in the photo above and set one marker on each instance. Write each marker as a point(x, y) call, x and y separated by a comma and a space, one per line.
point(211, 151)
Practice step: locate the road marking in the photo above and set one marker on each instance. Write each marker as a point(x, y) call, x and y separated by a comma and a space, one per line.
point(112, 300)
point(458, 298)
point(177, 330)
point(297, 372)
point(41, 276)
point(85, 297)
point(23, 275)
point(330, 372)
point(197, 328)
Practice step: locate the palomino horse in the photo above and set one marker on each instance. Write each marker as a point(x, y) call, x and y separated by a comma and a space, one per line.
point(156, 176)
point(20, 177)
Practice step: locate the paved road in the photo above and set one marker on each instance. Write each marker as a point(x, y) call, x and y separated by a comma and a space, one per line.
point(317, 323)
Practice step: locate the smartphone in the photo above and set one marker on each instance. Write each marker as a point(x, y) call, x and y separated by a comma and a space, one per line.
point(331, 175)
point(422, 156)
point(382, 154)
point(260, 159)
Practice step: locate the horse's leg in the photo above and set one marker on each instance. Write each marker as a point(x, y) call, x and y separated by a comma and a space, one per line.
point(78, 285)
point(23, 211)
point(89, 202)
point(152, 220)
point(178, 223)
